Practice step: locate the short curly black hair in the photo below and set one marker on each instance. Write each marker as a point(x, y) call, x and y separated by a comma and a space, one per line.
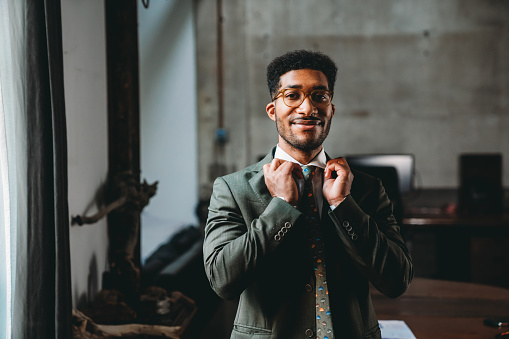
point(300, 59)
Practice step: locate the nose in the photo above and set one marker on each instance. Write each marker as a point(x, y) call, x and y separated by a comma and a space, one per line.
point(307, 107)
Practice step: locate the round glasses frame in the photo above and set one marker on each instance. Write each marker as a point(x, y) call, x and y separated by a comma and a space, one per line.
point(312, 94)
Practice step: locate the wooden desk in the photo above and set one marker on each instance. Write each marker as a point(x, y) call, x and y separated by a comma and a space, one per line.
point(445, 309)
point(436, 208)
point(474, 223)
point(450, 246)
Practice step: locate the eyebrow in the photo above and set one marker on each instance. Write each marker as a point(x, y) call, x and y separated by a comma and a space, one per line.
point(314, 87)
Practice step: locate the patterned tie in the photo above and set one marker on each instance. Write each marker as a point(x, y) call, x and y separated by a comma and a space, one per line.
point(310, 211)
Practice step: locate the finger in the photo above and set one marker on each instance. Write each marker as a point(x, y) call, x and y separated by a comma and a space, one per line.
point(342, 161)
point(327, 171)
point(266, 169)
point(337, 163)
point(275, 164)
point(331, 166)
point(286, 167)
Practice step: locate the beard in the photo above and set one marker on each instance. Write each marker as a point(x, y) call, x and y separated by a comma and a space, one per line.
point(305, 144)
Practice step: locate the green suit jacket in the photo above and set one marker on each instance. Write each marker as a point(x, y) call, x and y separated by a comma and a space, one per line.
point(255, 247)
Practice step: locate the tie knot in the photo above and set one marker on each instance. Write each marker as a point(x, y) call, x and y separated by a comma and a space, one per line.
point(308, 172)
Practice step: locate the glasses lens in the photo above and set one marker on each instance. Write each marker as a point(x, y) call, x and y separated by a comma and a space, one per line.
point(293, 97)
point(320, 98)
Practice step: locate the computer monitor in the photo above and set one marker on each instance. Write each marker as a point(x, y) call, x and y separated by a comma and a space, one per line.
point(403, 163)
point(481, 190)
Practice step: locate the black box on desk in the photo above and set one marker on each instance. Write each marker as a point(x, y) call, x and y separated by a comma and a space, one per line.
point(481, 189)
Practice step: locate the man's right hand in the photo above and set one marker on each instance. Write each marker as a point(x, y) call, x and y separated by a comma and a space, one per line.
point(279, 178)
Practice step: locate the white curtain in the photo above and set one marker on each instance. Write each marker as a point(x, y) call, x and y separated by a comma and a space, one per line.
point(12, 167)
point(35, 288)
point(13, 197)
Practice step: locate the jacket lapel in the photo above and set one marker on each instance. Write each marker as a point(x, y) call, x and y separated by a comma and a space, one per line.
point(257, 182)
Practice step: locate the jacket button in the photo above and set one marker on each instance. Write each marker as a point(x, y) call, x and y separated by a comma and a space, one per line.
point(346, 224)
point(309, 332)
point(309, 288)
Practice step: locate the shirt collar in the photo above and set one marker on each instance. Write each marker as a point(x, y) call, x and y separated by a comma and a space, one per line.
point(320, 160)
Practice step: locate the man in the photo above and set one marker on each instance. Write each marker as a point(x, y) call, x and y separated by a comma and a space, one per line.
point(300, 274)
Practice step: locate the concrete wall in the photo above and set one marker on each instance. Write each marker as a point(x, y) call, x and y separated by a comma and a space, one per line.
point(84, 48)
point(428, 78)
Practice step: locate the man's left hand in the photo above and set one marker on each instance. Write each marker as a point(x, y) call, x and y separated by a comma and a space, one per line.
point(336, 189)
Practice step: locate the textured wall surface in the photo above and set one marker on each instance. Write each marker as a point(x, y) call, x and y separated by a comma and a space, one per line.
point(428, 78)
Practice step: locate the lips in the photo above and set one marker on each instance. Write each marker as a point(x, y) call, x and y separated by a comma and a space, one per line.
point(309, 123)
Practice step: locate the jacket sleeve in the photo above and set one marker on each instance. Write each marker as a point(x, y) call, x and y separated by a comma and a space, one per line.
point(238, 242)
point(372, 239)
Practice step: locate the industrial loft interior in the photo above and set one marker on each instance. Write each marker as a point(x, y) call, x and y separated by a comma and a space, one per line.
point(116, 117)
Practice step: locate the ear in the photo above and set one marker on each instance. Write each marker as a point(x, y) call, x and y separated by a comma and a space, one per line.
point(333, 110)
point(271, 110)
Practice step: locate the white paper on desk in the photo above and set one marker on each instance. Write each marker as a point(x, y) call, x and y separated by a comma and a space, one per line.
point(395, 329)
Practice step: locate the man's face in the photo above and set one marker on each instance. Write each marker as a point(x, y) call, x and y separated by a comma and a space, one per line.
point(304, 127)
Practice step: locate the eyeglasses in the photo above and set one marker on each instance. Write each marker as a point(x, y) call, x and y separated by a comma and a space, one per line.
point(294, 97)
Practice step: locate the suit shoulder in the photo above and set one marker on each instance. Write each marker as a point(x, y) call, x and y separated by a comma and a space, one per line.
point(244, 174)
